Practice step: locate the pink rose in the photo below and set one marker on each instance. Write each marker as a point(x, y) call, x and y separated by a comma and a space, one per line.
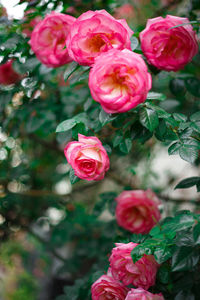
point(140, 294)
point(30, 23)
point(119, 80)
point(137, 211)
point(141, 274)
point(95, 32)
point(168, 49)
point(87, 157)
point(8, 74)
point(107, 287)
point(48, 39)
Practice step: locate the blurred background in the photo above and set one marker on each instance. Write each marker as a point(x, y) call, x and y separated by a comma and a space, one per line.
point(55, 236)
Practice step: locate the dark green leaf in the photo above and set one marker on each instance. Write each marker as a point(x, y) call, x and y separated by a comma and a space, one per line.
point(148, 118)
point(66, 125)
point(193, 86)
point(70, 70)
point(174, 148)
point(196, 234)
point(126, 145)
point(188, 182)
point(185, 258)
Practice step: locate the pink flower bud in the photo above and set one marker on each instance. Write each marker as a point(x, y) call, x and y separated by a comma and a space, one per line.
point(7, 74)
point(87, 157)
point(168, 48)
point(119, 80)
point(137, 211)
point(48, 39)
point(141, 274)
point(95, 32)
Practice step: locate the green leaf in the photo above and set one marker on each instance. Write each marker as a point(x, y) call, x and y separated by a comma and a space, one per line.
point(126, 145)
point(73, 178)
point(117, 139)
point(180, 117)
point(160, 111)
point(156, 96)
point(148, 118)
point(70, 70)
point(154, 231)
point(188, 182)
point(66, 125)
point(196, 234)
point(78, 128)
point(185, 258)
point(134, 43)
point(162, 253)
point(193, 86)
point(105, 118)
point(174, 148)
point(188, 153)
point(195, 116)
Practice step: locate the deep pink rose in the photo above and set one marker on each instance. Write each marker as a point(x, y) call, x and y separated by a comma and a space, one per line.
point(95, 32)
point(141, 274)
point(140, 294)
point(30, 22)
point(119, 80)
point(107, 287)
point(7, 74)
point(48, 39)
point(168, 49)
point(87, 157)
point(137, 211)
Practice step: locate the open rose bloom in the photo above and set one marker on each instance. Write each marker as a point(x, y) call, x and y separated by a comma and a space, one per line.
point(168, 48)
point(107, 287)
point(141, 274)
point(141, 294)
point(119, 80)
point(87, 157)
point(48, 39)
point(95, 32)
point(137, 211)
point(7, 74)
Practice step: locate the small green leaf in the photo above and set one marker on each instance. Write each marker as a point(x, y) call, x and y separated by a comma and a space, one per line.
point(70, 70)
point(148, 118)
point(66, 125)
point(195, 116)
point(134, 43)
point(156, 96)
point(196, 234)
point(180, 117)
point(73, 178)
point(188, 182)
point(185, 258)
point(105, 118)
point(117, 139)
point(174, 148)
point(126, 145)
point(188, 153)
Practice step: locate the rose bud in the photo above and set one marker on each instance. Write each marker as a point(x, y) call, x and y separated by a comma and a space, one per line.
point(87, 157)
point(140, 274)
point(119, 80)
point(95, 32)
point(7, 74)
point(48, 39)
point(168, 48)
point(137, 211)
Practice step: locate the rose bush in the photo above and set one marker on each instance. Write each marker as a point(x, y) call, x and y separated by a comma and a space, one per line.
point(48, 39)
point(141, 274)
point(119, 80)
point(107, 287)
point(95, 32)
point(169, 48)
point(87, 157)
point(137, 211)
point(141, 294)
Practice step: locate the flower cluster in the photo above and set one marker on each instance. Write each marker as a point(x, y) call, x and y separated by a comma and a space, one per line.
point(123, 272)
